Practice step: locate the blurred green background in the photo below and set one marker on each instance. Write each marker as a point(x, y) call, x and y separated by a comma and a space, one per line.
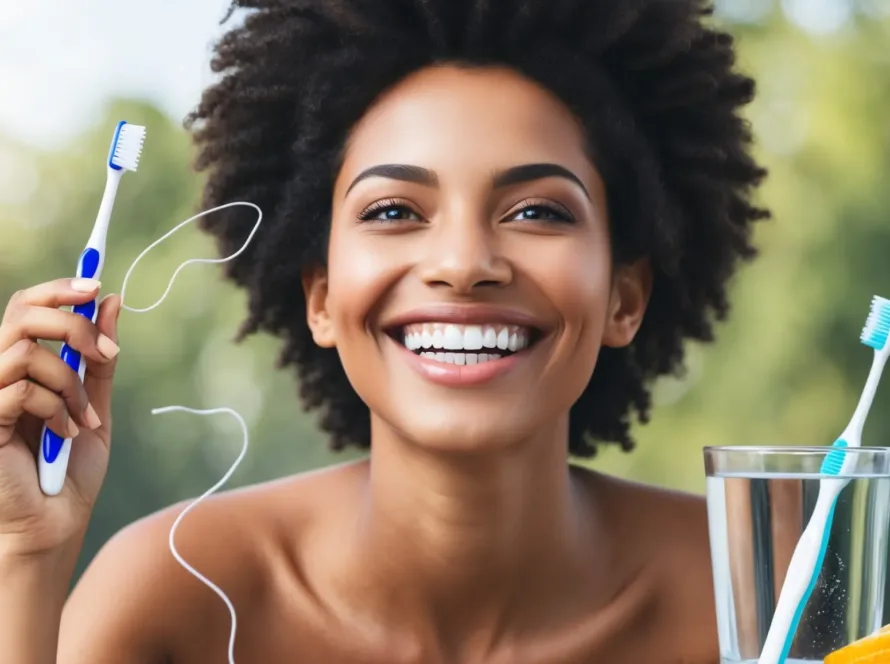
point(787, 368)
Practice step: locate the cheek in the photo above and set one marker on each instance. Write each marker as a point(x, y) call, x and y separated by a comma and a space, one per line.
point(575, 277)
point(361, 269)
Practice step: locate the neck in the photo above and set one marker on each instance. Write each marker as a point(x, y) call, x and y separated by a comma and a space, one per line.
point(468, 536)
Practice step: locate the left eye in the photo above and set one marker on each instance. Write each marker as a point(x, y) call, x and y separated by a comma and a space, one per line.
point(389, 211)
point(541, 213)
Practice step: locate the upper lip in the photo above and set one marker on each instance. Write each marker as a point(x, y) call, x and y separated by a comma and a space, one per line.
point(464, 314)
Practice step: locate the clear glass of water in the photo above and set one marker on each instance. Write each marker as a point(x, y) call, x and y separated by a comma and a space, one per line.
point(759, 501)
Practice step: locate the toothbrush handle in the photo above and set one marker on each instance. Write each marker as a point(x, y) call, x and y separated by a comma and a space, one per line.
point(52, 463)
point(803, 573)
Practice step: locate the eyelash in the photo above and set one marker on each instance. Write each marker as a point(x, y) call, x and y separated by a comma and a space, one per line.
point(376, 208)
point(561, 213)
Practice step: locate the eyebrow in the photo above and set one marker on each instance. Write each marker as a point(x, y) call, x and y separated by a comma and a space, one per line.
point(403, 172)
point(507, 178)
point(532, 172)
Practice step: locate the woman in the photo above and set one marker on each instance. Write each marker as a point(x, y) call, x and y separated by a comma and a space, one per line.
point(490, 225)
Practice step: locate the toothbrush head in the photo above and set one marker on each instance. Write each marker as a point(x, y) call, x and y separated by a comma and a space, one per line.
point(833, 463)
point(126, 146)
point(877, 327)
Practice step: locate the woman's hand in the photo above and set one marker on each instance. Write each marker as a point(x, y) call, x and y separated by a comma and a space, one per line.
point(37, 388)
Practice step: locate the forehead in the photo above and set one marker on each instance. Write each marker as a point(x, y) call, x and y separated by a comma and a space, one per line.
point(469, 120)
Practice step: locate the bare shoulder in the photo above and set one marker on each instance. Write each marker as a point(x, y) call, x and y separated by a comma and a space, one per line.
point(665, 533)
point(136, 603)
point(672, 519)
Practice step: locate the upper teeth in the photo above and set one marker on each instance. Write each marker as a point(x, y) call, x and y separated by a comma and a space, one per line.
point(465, 337)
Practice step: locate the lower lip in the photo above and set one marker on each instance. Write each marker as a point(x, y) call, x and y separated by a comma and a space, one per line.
point(456, 375)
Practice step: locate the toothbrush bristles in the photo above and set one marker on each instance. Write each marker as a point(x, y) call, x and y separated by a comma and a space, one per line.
point(128, 147)
point(877, 326)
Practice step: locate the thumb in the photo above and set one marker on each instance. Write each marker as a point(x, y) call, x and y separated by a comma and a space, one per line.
point(98, 377)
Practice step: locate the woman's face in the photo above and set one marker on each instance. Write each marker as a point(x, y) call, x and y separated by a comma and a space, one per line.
point(469, 284)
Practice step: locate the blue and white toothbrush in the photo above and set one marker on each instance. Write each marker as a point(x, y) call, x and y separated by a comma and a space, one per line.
point(126, 147)
point(806, 563)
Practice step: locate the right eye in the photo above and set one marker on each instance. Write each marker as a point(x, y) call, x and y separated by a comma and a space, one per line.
point(388, 211)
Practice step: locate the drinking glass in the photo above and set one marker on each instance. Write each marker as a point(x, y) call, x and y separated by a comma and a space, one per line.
point(759, 501)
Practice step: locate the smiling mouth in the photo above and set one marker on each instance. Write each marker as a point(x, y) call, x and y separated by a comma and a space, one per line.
point(451, 343)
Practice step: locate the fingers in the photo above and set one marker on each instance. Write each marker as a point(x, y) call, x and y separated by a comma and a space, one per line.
point(29, 397)
point(32, 314)
point(28, 361)
point(28, 321)
point(98, 377)
point(58, 293)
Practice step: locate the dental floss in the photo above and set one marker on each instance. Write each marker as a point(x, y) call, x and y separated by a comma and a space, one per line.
point(225, 478)
point(191, 260)
point(213, 411)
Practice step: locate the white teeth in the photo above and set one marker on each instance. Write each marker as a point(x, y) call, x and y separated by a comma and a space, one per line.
point(451, 337)
point(461, 358)
point(489, 337)
point(472, 337)
point(503, 339)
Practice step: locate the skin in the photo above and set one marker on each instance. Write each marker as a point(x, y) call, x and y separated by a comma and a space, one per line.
point(466, 537)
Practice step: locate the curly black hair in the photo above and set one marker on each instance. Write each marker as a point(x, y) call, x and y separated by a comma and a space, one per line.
point(653, 83)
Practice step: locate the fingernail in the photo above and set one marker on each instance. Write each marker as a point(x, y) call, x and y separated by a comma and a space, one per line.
point(107, 347)
point(72, 429)
point(85, 285)
point(92, 419)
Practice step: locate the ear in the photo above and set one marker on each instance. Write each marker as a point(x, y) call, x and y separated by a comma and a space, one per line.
point(315, 289)
point(631, 288)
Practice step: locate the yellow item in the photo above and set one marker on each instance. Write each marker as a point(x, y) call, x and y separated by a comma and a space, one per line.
point(874, 649)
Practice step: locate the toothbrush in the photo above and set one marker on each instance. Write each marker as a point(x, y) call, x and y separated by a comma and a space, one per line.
point(806, 563)
point(126, 147)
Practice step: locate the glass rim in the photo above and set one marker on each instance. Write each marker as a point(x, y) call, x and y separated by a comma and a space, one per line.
point(795, 449)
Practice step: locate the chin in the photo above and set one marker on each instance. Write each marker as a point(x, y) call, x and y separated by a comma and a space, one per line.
point(456, 428)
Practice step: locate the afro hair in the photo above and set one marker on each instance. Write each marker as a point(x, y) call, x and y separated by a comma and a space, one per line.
point(652, 81)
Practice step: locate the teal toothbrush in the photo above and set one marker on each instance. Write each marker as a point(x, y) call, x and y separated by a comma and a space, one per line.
point(806, 563)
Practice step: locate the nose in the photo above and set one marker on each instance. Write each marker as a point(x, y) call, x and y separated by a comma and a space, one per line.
point(464, 256)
